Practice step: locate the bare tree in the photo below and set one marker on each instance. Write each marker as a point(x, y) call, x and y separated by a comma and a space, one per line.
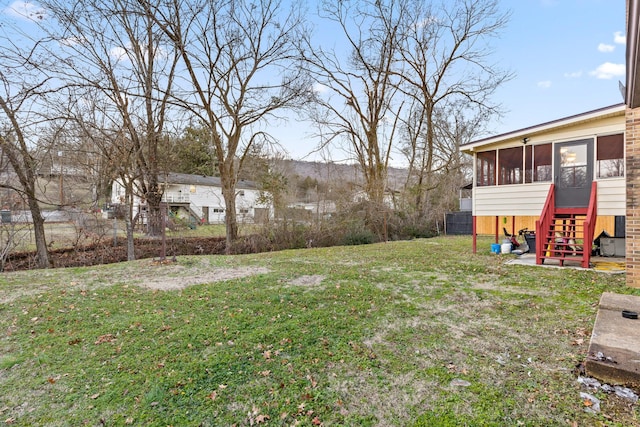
point(117, 48)
point(240, 71)
point(93, 125)
point(429, 193)
point(361, 106)
point(24, 92)
point(446, 51)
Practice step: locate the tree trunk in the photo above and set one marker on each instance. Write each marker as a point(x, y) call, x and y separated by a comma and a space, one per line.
point(131, 254)
point(228, 181)
point(419, 190)
point(231, 220)
point(39, 234)
point(154, 200)
point(376, 183)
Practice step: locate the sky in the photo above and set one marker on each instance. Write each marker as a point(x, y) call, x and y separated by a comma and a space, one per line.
point(567, 57)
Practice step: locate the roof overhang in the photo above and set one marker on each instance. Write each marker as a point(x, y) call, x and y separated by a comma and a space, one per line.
point(528, 132)
point(632, 93)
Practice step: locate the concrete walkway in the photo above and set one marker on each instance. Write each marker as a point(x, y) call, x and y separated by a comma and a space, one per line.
point(614, 350)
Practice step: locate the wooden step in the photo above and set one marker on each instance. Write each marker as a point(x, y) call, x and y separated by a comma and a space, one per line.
point(575, 259)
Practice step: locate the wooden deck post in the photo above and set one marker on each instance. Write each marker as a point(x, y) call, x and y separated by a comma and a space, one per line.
point(473, 231)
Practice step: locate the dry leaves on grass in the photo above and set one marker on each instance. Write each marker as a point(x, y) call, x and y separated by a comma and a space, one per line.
point(107, 338)
point(255, 417)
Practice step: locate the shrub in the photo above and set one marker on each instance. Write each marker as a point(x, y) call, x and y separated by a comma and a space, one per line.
point(360, 236)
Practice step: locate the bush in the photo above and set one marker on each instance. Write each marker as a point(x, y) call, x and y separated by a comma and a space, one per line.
point(358, 224)
point(285, 235)
point(359, 237)
point(413, 231)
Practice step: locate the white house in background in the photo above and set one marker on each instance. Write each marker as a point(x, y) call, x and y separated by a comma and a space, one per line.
point(316, 210)
point(199, 198)
point(388, 199)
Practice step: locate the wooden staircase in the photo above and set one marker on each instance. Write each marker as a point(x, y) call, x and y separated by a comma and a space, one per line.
point(566, 234)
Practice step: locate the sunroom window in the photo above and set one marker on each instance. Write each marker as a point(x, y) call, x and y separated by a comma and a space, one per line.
point(486, 168)
point(610, 156)
point(510, 166)
point(538, 166)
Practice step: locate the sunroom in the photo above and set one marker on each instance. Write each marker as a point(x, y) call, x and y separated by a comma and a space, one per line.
point(564, 179)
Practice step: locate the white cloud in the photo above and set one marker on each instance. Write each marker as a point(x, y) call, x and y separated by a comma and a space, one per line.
point(118, 53)
point(619, 37)
point(603, 47)
point(573, 74)
point(545, 84)
point(24, 10)
point(320, 88)
point(608, 70)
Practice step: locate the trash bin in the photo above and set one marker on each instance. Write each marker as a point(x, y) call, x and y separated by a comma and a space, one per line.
point(5, 216)
point(531, 242)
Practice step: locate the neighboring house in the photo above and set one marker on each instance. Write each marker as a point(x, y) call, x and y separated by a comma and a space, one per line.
point(389, 198)
point(199, 199)
point(565, 179)
point(321, 209)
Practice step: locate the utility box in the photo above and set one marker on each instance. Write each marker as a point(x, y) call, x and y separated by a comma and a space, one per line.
point(612, 246)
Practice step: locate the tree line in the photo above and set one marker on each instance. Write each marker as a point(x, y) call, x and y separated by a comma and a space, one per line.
point(129, 83)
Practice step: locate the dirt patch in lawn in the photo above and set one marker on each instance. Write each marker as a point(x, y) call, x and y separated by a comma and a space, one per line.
point(150, 274)
point(168, 283)
point(308, 280)
point(493, 286)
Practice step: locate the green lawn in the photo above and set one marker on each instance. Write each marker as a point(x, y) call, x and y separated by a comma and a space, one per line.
point(418, 333)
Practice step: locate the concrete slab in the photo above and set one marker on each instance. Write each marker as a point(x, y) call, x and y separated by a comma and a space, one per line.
point(614, 350)
point(615, 265)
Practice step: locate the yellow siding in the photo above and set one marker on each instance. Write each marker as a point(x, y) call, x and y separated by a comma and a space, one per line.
point(572, 132)
point(599, 127)
point(486, 224)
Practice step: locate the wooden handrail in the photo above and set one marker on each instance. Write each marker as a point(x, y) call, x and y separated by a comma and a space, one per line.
point(543, 224)
point(590, 225)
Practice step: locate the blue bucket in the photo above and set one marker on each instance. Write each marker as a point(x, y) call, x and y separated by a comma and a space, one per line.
point(495, 248)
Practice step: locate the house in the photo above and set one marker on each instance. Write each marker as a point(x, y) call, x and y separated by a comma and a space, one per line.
point(199, 199)
point(389, 198)
point(609, 122)
point(564, 178)
point(320, 209)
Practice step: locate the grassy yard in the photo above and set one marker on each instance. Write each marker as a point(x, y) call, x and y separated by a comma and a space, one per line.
point(412, 333)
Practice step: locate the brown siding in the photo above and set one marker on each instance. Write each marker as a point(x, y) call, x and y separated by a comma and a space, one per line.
point(632, 147)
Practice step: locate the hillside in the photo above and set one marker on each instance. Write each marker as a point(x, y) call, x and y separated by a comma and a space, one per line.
point(342, 172)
